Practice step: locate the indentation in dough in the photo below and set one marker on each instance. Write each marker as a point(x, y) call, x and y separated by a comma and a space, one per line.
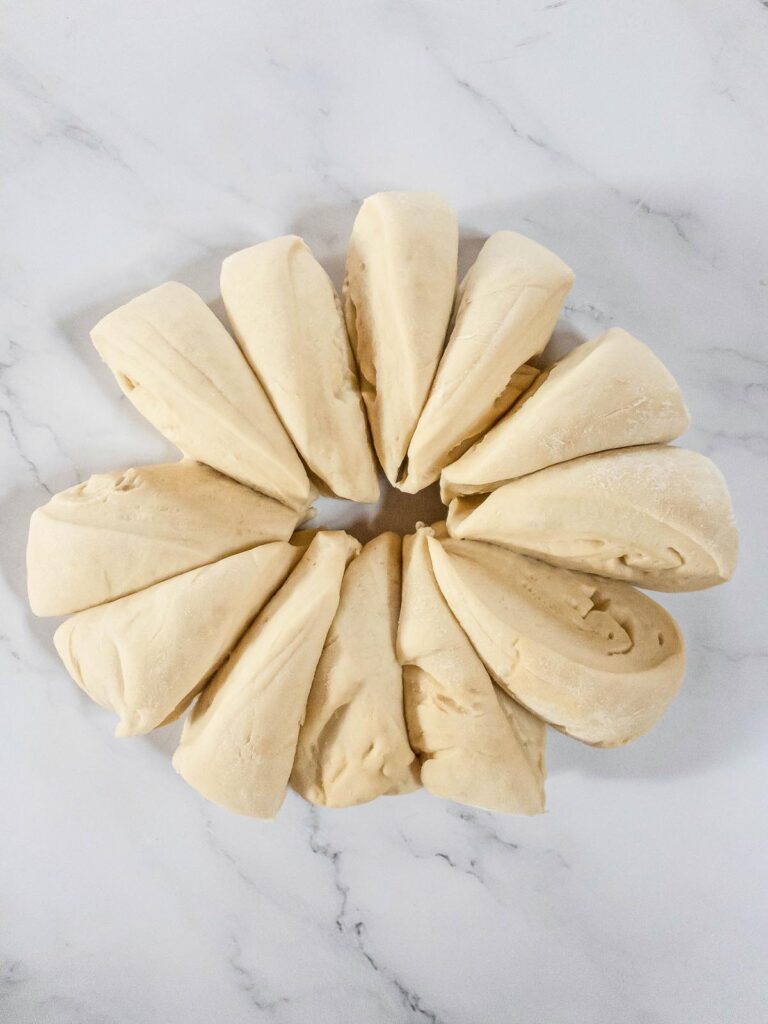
point(627, 626)
point(463, 446)
point(126, 482)
point(576, 546)
point(670, 558)
point(443, 701)
point(367, 386)
point(366, 373)
point(330, 731)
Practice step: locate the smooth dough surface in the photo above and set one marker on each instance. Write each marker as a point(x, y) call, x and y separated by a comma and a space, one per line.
point(182, 369)
point(611, 392)
point(476, 745)
point(656, 516)
point(239, 741)
point(287, 318)
point(398, 293)
point(353, 745)
point(147, 655)
point(507, 308)
point(119, 532)
point(596, 658)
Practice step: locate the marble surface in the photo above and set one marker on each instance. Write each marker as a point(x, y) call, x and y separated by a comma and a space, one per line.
point(145, 141)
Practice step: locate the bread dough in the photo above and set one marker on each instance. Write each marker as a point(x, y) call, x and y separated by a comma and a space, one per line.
point(239, 741)
point(507, 307)
point(147, 655)
point(119, 532)
point(398, 292)
point(596, 658)
point(353, 745)
point(656, 516)
point(476, 745)
point(288, 321)
point(182, 370)
point(611, 392)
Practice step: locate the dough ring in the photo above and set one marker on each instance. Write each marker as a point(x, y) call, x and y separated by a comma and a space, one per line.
point(349, 672)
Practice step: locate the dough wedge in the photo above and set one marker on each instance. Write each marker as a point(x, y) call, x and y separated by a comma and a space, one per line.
point(146, 656)
point(120, 532)
point(476, 745)
point(397, 297)
point(183, 371)
point(656, 516)
point(239, 741)
point(287, 319)
point(507, 307)
point(353, 745)
point(611, 392)
point(595, 658)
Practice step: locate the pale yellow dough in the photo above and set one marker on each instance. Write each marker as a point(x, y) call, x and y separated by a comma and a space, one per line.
point(507, 308)
point(353, 745)
point(596, 658)
point(611, 392)
point(656, 516)
point(182, 369)
point(398, 292)
point(119, 532)
point(476, 745)
point(147, 655)
point(239, 741)
point(287, 318)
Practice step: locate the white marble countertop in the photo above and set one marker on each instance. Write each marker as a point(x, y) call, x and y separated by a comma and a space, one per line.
point(145, 141)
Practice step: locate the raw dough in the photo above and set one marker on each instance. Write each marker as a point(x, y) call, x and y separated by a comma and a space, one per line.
point(507, 308)
point(655, 516)
point(147, 655)
point(611, 392)
point(182, 370)
point(288, 321)
point(120, 532)
point(239, 741)
point(353, 745)
point(398, 293)
point(595, 658)
point(476, 745)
